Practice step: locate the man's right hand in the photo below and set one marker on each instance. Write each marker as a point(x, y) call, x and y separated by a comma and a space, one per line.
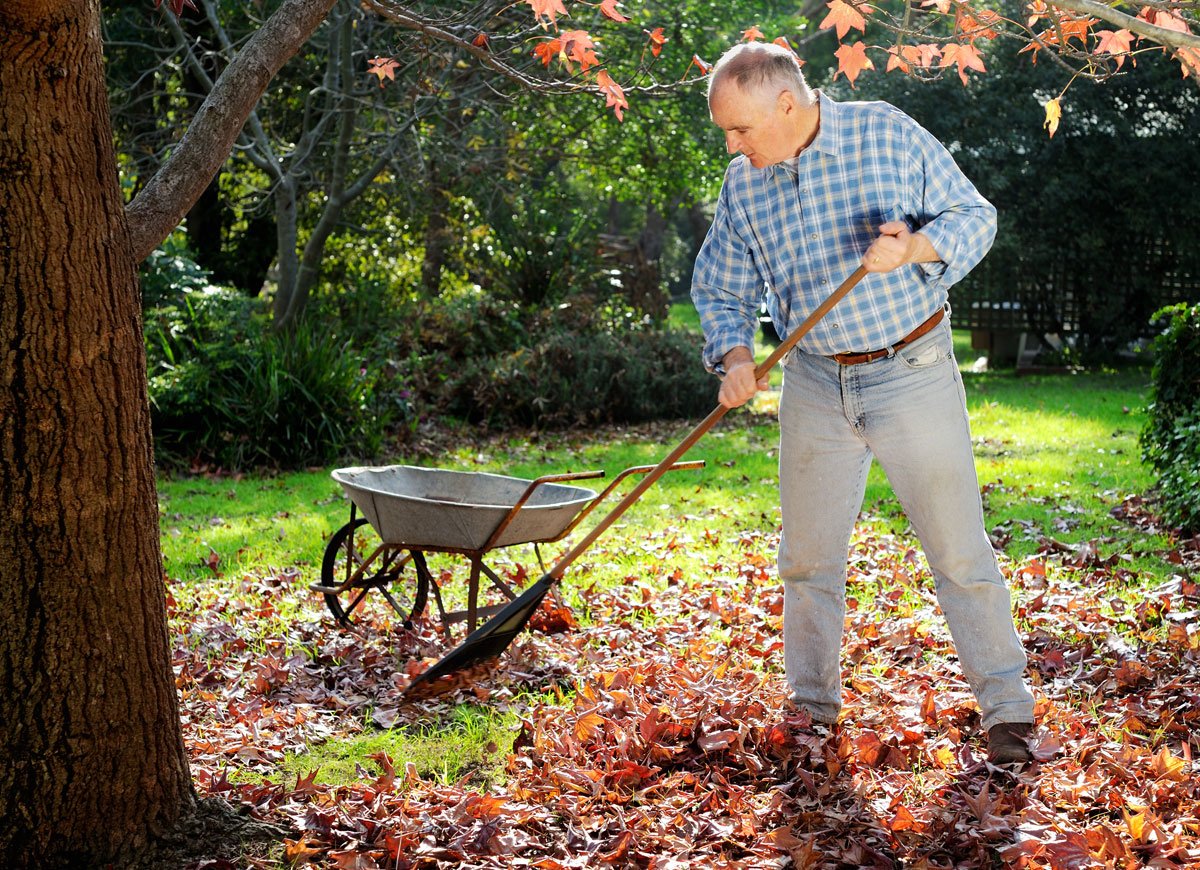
point(739, 384)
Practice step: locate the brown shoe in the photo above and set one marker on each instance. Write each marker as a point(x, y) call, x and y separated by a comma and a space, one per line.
point(1008, 743)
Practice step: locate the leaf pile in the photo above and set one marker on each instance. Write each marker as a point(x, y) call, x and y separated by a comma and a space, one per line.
point(659, 735)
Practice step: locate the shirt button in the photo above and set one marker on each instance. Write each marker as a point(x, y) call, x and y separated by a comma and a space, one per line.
point(835, 326)
point(824, 281)
point(813, 237)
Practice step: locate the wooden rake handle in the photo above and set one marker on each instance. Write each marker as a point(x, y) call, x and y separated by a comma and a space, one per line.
point(707, 423)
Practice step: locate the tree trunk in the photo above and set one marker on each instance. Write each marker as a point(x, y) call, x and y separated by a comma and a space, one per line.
point(92, 762)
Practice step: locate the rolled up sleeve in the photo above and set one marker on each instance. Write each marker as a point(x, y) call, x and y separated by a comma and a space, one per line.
point(727, 288)
point(960, 223)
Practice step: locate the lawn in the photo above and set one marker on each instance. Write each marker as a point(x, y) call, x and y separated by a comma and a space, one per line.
point(653, 729)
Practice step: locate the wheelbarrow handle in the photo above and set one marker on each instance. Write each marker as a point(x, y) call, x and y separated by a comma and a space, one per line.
point(507, 519)
point(616, 481)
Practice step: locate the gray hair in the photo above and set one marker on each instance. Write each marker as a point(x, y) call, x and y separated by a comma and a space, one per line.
point(762, 67)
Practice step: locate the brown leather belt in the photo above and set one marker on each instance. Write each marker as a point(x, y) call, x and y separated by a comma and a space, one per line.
point(853, 359)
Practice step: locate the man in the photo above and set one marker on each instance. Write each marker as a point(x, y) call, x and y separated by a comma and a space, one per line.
point(819, 188)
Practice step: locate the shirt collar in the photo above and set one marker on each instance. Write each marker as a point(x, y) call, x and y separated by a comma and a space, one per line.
point(827, 141)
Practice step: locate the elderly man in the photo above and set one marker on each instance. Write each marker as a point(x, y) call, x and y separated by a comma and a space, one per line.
point(820, 187)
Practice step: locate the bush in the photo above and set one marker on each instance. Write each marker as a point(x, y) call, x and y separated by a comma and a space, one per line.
point(582, 365)
point(226, 389)
point(1171, 439)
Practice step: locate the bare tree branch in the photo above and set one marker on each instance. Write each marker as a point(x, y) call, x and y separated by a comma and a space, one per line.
point(1140, 26)
point(159, 208)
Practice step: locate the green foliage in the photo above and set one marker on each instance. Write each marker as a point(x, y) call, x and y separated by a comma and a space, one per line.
point(226, 389)
point(1096, 226)
point(170, 271)
point(1171, 439)
point(580, 363)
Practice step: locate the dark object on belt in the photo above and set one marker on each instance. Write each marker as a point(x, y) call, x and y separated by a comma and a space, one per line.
point(853, 359)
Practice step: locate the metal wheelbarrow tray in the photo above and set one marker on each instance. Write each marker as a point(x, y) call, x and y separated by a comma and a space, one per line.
point(413, 511)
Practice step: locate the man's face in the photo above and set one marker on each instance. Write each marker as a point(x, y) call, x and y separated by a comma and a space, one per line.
point(755, 124)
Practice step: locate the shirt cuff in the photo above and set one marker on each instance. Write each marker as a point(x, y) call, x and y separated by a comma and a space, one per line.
point(945, 243)
point(722, 342)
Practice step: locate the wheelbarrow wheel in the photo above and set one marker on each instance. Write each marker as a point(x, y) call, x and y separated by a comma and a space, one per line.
point(348, 548)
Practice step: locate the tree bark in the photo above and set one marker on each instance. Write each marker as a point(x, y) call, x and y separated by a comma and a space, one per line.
point(92, 762)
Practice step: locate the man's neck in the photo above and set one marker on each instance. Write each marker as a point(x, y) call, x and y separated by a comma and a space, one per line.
point(807, 126)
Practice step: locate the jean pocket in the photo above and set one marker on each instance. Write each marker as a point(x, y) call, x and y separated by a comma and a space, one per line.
point(923, 354)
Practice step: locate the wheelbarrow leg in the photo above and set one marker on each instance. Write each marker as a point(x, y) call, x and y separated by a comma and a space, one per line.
point(473, 593)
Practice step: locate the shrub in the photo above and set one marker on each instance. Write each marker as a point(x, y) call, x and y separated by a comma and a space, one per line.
point(226, 389)
point(1171, 439)
point(588, 364)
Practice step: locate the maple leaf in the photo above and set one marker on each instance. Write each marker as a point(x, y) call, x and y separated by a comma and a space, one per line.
point(1053, 115)
point(577, 45)
point(782, 42)
point(657, 40)
point(977, 26)
point(177, 6)
point(852, 60)
point(1168, 766)
point(615, 97)
point(966, 57)
point(1189, 60)
point(1076, 28)
point(548, 9)
point(943, 6)
point(843, 16)
point(1038, 10)
point(1115, 43)
point(587, 724)
point(922, 55)
point(609, 8)
point(383, 67)
point(752, 34)
point(480, 40)
point(548, 49)
point(704, 67)
point(297, 852)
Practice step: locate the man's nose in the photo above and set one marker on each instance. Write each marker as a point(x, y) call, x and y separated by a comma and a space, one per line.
point(732, 143)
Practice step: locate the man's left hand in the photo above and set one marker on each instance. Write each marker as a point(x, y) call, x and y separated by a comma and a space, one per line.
point(896, 247)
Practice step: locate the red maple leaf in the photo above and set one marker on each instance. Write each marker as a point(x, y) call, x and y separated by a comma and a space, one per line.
point(922, 55)
point(548, 49)
point(704, 66)
point(609, 8)
point(548, 9)
point(480, 40)
point(614, 96)
point(577, 45)
point(657, 40)
point(965, 56)
point(782, 42)
point(383, 67)
point(1115, 43)
point(752, 34)
point(177, 6)
point(843, 16)
point(852, 60)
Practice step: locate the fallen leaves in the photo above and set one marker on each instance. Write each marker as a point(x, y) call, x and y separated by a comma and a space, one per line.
point(667, 740)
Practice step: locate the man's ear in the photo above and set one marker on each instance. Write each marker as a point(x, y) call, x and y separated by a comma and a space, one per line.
point(786, 102)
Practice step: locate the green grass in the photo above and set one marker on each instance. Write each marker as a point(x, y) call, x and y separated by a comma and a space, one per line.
point(470, 744)
point(1054, 453)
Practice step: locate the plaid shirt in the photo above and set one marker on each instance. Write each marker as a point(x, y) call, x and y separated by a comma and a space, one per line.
point(792, 232)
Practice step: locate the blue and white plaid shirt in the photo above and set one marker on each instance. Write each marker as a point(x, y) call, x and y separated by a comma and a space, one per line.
point(792, 232)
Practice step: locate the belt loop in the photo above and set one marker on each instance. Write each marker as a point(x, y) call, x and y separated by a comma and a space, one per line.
point(891, 351)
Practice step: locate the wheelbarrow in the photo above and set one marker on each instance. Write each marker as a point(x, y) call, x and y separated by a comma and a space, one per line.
point(409, 511)
point(483, 645)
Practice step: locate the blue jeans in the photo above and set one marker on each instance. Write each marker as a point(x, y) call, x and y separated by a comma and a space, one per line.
point(909, 411)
